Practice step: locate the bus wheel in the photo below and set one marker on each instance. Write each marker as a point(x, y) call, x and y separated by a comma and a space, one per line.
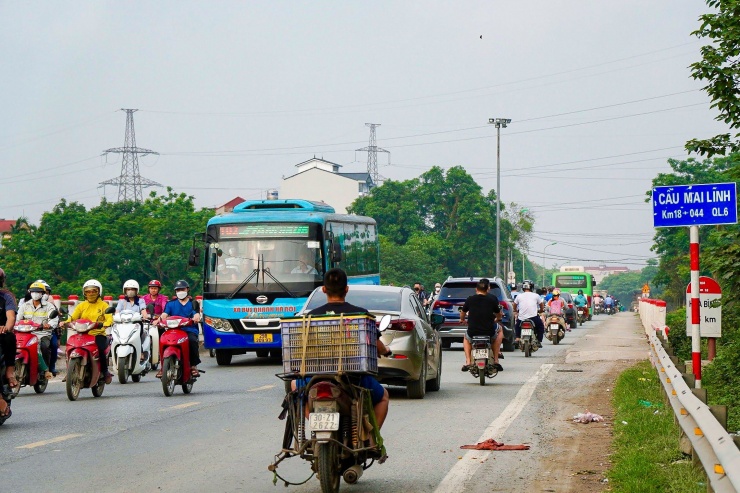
point(223, 357)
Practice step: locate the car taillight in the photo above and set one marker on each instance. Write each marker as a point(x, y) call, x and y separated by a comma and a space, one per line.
point(403, 325)
point(504, 305)
point(323, 391)
point(441, 304)
point(589, 300)
point(570, 305)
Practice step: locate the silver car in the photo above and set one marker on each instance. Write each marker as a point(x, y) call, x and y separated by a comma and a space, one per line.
point(416, 362)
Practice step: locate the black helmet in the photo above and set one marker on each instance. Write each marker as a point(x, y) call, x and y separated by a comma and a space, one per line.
point(580, 291)
point(526, 286)
point(182, 284)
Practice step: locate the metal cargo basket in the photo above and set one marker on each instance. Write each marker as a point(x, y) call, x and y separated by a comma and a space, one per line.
point(334, 344)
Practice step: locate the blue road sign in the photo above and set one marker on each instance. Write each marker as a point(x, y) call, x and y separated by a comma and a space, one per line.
point(694, 205)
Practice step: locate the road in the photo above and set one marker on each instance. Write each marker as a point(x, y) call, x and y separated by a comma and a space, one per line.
point(222, 437)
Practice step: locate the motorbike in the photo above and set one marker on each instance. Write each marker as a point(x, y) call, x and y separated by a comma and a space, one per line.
point(482, 354)
point(555, 328)
point(582, 312)
point(175, 355)
point(609, 310)
point(528, 341)
point(331, 423)
point(27, 370)
point(83, 361)
point(127, 346)
point(6, 393)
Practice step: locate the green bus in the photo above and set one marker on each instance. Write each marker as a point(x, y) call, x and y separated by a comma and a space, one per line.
point(572, 282)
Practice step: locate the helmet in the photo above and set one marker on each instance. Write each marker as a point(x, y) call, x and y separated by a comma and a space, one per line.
point(45, 284)
point(580, 291)
point(526, 285)
point(556, 292)
point(130, 284)
point(155, 284)
point(93, 283)
point(182, 284)
point(36, 287)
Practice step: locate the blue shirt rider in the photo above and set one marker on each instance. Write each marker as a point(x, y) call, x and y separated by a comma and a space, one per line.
point(580, 299)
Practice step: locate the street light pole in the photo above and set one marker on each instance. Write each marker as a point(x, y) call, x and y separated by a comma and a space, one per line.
point(498, 122)
point(544, 260)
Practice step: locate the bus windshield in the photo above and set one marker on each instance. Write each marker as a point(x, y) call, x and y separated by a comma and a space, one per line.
point(286, 261)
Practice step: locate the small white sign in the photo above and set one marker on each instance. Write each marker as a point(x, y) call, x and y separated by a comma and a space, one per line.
point(710, 308)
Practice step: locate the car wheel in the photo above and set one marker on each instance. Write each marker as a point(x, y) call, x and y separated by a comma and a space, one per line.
point(417, 388)
point(435, 384)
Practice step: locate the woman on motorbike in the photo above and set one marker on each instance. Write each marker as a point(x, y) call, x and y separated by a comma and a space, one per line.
point(153, 297)
point(38, 311)
point(556, 304)
point(93, 308)
point(133, 303)
point(7, 339)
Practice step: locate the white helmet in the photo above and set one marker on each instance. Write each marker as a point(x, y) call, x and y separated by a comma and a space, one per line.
point(93, 283)
point(130, 284)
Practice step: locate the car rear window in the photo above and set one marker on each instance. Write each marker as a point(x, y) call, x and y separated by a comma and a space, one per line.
point(374, 301)
point(462, 290)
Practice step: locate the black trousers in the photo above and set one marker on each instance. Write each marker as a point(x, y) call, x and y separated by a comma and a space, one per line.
point(45, 344)
point(7, 347)
point(102, 342)
point(539, 328)
point(193, 344)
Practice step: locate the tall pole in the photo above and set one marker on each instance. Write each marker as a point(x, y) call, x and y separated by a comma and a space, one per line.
point(695, 303)
point(544, 260)
point(499, 122)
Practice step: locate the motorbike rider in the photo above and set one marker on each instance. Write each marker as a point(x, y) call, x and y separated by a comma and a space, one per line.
point(336, 288)
point(38, 311)
point(185, 306)
point(8, 308)
point(134, 303)
point(153, 297)
point(485, 313)
point(608, 302)
point(528, 306)
point(580, 299)
point(93, 308)
point(56, 334)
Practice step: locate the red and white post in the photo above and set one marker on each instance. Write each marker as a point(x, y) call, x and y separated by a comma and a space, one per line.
point(695, 304)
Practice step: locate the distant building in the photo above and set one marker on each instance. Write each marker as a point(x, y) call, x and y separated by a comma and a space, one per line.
point(229, 206)
point(320, 180)
point(602, 271)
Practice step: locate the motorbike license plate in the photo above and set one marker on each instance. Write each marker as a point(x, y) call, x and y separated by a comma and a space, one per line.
point(262, 338)
point(480, 353)
point(554, 328)
point(526, 332)
point(323, 421)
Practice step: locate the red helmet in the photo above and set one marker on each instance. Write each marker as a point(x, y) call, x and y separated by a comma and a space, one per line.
point(155, 284)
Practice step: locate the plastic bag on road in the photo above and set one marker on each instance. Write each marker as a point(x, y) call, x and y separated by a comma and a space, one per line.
point(587, 417)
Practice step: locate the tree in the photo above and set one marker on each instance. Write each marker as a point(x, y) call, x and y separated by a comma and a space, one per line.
point(720, 67)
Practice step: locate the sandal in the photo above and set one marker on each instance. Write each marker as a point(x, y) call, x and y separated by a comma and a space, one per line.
point(465, 368)
point(194, 372)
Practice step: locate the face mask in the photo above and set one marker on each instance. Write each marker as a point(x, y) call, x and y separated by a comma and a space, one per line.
point(130, 293)
point(91, 298)
point(181, 295)
point(45, 297)
point(437, 290)
point(36, 296)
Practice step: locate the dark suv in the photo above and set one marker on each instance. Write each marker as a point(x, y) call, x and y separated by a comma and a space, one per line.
point(452, 296)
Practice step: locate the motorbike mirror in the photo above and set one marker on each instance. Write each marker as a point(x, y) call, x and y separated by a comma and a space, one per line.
point(63, 311)
point(385, 322)
point(150, 308)
point(53, 314)
point(110, 310)
point(437, 320)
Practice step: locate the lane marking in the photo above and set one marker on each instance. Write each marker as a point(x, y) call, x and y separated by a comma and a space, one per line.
point(461, 472)
point(51, 440)
point(180, 406)
point(264, 387)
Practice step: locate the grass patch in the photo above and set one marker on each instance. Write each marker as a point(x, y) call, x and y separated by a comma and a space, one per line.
point(646, 457)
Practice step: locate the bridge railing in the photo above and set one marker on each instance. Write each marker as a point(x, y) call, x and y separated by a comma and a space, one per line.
point(703, 432)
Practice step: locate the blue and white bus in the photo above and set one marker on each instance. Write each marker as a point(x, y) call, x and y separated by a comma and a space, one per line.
point(263, 260)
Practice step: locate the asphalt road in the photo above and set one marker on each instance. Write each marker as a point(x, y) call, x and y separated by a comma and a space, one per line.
point(222, 437)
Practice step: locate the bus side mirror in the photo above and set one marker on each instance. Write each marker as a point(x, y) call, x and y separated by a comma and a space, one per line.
point(213, 261)
point(336, 252)
point(194, 256)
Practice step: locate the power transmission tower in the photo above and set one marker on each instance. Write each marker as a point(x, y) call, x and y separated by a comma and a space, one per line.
point(372, 154)
point(130, 183)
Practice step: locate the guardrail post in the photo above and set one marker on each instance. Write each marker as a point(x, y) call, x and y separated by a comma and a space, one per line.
point(700, 394)
point(690, 379)
point(720, 414)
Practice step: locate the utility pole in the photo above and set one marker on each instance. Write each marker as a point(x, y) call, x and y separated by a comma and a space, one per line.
point(498, 122)
point(372, 154)
point(130, 183)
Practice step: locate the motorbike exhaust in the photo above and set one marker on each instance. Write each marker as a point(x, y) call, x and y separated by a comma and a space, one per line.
point(353, 474)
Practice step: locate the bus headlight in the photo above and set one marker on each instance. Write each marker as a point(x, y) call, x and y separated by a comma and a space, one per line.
point(219, 324)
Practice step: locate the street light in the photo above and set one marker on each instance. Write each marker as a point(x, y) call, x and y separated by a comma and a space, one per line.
point(544, 260)
point(498, 122)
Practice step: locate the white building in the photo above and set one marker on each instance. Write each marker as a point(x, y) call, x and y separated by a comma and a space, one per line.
point(602, 271)
point(320, 180)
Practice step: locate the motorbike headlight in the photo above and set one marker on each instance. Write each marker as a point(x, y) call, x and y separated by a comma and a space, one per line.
point(219, 324)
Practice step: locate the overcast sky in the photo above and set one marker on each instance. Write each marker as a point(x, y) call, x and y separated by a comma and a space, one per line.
point(234, 94)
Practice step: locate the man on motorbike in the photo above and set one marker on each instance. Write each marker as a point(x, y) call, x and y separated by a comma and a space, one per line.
point(7, 339)
point(608, 302)
point(485, 313)
point(38, 311)
point(336, 288)
point(133, 303)
point(185, 306)
point(93, 308)
point(528, 305)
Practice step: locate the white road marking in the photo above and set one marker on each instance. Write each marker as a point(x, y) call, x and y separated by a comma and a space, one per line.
point(180, 406)
point(264, 387)
point(51, 440)
point(461, 472)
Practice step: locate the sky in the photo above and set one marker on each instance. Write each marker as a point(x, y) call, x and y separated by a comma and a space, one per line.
point(233, 94)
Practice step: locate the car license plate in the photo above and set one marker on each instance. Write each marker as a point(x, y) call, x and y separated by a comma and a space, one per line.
point(526, 332)
point(480, 353)
point(262, 338)
point(323, 421)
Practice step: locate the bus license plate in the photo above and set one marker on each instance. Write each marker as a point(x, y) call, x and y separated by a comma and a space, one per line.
point(323, 421)
point(262, 338)
point(480, 353)
point(526, 332)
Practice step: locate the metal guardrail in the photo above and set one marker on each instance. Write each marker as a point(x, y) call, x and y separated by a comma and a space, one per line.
point(715, 448)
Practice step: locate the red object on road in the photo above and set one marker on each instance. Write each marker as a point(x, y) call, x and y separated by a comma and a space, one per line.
point(492, 444)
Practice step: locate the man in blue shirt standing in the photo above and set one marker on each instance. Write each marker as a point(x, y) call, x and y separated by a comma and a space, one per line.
point(185, 306)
